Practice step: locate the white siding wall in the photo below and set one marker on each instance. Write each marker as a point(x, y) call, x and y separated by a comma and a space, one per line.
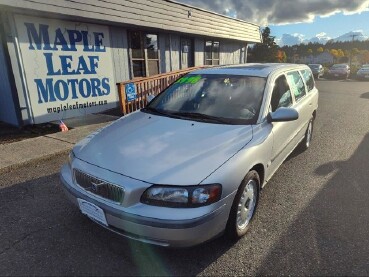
point(119, 43)
point(176, 48)
point(7, 109)
point(164, 53)
point(199, 51)
point(230, 52)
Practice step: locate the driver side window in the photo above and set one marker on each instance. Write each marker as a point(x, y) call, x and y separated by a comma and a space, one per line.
point(281, 96)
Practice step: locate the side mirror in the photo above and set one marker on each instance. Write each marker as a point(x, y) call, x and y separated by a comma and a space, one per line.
point(282, 115)
point(149, 98)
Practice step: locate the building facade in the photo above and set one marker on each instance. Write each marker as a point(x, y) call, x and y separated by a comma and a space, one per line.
point(61, 58)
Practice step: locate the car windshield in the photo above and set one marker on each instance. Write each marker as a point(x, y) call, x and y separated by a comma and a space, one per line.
point(212, 98)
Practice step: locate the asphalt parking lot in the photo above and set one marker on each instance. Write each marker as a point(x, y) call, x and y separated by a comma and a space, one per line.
point(312, 219)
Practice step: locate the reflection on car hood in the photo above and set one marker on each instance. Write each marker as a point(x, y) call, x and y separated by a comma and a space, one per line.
point(163, 150)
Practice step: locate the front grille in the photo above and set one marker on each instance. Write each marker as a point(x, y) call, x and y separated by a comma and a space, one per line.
point(99, 187)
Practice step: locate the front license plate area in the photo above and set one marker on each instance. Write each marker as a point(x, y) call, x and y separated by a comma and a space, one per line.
point(92, 211)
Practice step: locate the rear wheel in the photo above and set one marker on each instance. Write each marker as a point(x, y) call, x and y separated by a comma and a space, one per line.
point(244, 206)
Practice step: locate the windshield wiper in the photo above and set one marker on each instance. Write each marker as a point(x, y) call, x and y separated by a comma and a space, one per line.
point(203, 117)
point(158, 112)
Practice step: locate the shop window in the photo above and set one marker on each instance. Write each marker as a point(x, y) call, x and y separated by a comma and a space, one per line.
point(144, 54)
point(211, 53)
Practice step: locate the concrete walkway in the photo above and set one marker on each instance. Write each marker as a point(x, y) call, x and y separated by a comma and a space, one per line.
point(13, 155)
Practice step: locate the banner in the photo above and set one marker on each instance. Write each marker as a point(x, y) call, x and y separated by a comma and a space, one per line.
point(68, 67)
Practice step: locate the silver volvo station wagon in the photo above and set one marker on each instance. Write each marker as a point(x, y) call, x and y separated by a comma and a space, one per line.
point(190, 166)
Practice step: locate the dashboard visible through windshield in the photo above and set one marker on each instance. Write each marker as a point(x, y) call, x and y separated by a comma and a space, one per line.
point(229, 99)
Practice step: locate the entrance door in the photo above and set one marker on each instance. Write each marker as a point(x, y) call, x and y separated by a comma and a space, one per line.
point(187, 54)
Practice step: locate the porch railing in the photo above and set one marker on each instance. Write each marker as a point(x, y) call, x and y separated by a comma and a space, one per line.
point(146, 86)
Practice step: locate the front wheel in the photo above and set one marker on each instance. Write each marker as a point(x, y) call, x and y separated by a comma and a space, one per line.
point(244, 206)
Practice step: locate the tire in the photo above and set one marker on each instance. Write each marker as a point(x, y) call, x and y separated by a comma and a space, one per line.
point(305, 144)
point(244, 206)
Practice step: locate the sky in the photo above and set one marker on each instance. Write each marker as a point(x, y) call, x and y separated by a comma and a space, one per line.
point(329, 27)
point(300, 18)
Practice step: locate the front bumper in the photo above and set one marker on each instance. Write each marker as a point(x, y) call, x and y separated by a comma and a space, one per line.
point(338, 74)
point(163, 232)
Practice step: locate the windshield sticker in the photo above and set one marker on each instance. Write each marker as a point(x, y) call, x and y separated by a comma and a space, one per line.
point(189, 80)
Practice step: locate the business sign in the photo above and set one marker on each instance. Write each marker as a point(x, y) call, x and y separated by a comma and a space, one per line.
point(68, 67)
point(130, 92)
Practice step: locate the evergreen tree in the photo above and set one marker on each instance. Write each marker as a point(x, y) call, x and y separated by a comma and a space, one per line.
point(267, 51)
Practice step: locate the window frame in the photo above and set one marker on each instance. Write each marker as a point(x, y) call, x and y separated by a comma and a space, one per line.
point(296, 100)
point(212, 59)
point(293, 101)
point(145, 59)
point(305, 81)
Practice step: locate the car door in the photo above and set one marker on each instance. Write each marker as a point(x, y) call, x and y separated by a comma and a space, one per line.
point(302, 104)
point(283, 132)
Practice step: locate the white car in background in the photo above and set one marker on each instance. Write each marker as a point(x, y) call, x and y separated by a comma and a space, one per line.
point(317, 69)
point(339, 71)
point(191, 165)
point(363, 72)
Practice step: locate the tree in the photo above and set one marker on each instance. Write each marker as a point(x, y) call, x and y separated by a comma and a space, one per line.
point(355, 51)
point(340, 53)
point(267, 50)
point(334, 53)
point(320, 50)
point(281, 56)
point(310, 51)
point(365, 56)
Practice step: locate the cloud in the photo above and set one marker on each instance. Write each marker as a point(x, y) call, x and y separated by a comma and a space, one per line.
point(265, 12)
point(290, 39)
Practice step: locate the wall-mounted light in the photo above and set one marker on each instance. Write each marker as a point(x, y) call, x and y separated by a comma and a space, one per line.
point(189, 14)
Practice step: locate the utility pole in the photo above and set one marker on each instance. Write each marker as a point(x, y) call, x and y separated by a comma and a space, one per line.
point(353, 38)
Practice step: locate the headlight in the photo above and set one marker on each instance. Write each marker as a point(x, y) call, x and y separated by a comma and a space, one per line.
point(182, 197)
point(71, 157)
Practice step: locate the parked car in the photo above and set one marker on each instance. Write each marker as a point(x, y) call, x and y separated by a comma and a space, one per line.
point(363, 72)
point(339, 71)
point(317, 69)
point(190, 166)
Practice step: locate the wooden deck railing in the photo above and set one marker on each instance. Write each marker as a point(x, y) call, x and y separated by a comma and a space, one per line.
point(146, 86)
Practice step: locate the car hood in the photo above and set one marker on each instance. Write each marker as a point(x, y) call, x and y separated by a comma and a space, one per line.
point(163, 150)
point(363, 70)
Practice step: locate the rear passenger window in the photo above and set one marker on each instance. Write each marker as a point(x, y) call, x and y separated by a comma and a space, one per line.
point(296, 84)
point(309, 80)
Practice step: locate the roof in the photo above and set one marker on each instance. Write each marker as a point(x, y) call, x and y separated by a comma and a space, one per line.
point(161, 15)
point(251, 69)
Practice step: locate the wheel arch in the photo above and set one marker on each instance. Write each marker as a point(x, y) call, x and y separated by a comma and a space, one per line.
point(314, 114)
point(259, 168)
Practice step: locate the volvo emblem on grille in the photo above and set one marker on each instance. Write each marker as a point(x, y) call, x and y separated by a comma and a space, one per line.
point(95, 185)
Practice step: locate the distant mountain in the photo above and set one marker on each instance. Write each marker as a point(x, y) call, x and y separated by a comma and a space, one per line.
point(319, 38)
point(356, 35)
point(293, 39)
